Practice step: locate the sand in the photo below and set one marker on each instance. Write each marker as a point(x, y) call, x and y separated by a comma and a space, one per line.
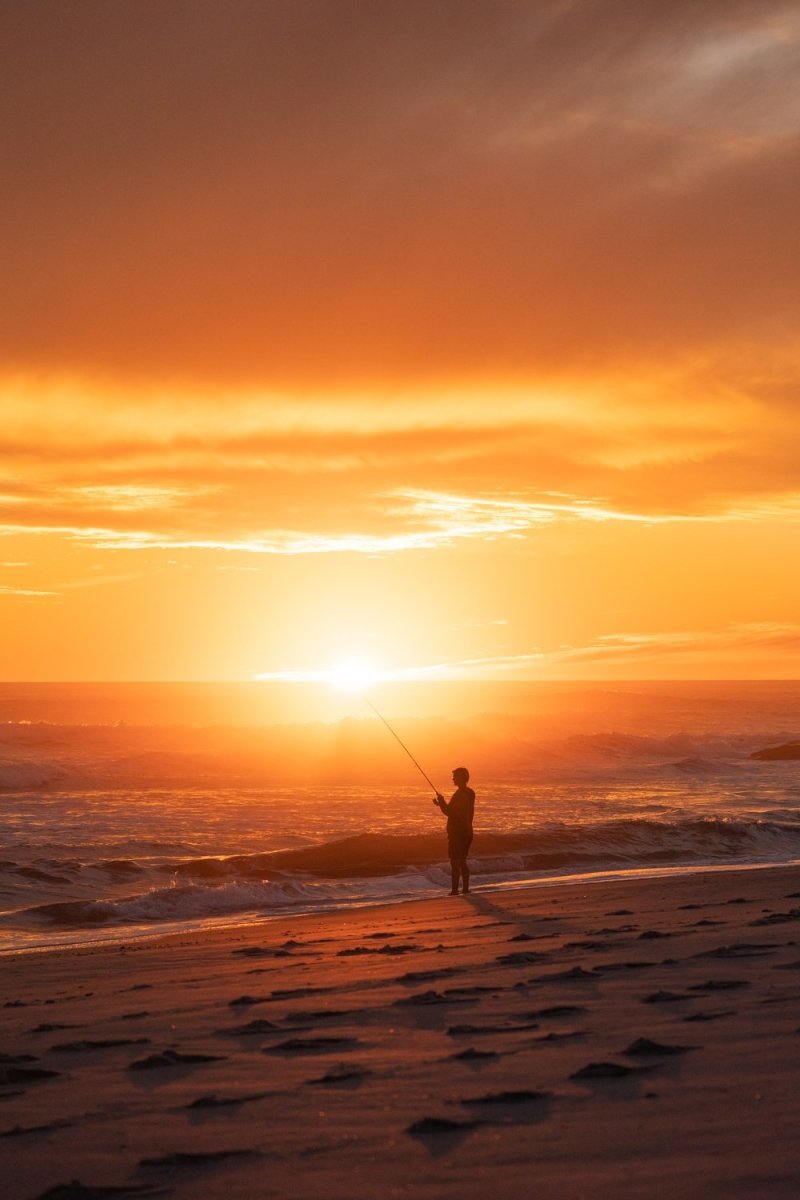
point(617, 1038)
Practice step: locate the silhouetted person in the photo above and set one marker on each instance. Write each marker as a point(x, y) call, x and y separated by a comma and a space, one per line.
point(459, 812)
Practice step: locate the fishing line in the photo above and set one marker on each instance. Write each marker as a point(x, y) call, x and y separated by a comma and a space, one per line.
point(402, 743)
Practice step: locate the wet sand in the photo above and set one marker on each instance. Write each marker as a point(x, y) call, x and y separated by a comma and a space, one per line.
point(627, 1038)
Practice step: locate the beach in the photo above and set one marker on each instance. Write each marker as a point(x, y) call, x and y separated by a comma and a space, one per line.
point(399, 464)
point(585, 1039)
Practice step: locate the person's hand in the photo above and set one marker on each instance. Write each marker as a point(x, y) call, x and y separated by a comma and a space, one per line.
point(439, 799)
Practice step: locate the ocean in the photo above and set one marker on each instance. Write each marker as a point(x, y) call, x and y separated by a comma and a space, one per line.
point(133, 809)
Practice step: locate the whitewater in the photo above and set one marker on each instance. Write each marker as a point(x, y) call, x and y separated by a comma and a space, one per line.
point(130, 826)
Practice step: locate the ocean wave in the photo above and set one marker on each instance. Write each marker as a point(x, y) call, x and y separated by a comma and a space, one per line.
point(30, 776)
point(633, 840)
point(695, 766)
point(373, 867)
point(194, 901)
point(52, 758)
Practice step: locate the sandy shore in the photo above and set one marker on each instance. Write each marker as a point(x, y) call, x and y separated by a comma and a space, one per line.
point(626, 1038)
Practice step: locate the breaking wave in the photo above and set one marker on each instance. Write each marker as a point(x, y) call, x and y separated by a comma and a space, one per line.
point(372, 868)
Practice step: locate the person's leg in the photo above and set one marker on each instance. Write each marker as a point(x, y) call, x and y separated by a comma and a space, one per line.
point(465, 875)
point(454, 873)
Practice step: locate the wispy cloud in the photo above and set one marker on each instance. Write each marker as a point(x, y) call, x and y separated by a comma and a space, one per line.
point(27, 593)
point(469, 516)
point(407, 520)
point(744, 636)
point(126, 497)
point(680, 443)
point(617, 649)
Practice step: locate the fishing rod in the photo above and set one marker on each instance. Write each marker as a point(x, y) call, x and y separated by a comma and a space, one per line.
point(397, 738)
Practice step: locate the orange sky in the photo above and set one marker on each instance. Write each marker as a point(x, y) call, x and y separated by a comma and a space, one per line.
point(460, 337)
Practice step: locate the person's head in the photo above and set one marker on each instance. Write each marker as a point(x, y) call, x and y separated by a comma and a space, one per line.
point(460, 776)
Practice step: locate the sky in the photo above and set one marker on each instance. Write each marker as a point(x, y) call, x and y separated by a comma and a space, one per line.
point(446, 338)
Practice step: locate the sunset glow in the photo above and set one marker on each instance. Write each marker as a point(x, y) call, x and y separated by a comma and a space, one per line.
point(460, 340)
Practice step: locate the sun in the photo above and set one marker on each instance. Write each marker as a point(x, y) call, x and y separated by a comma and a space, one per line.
point(352, 675)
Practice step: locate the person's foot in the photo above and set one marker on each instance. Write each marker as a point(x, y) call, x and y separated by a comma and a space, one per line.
point(452, 893)
point(466, 891)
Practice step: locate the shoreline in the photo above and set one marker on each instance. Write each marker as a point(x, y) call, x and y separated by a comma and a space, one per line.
point(577, 1041)
point(134, 933)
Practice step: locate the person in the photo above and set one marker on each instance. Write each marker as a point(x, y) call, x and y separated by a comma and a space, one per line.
point(459, 811)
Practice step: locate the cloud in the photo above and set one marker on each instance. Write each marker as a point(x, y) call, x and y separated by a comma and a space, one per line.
point(26, 593)
point(680, 445)
point(756, 637)
point(303, 194)
point(206, 519)
point(738, 642)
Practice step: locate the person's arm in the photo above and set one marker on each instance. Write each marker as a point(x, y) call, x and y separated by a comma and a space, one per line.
point(442, 803)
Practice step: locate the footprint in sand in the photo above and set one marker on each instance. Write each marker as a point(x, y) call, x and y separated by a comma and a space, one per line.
point(214, 1101)
point(344, 1075)
point(740, 950)
point(607, 1070)
point(557, 1010)
point(388, 949)
point(591, 944)
point(521, 958)
point(778, 918)
point(563, 1035)
point(646, 1048)
point(312, 1045)
point(255, 1027)
point(52, 1027)
point(428, 976)
point(578, 974)
point(427, 998)
point(663, 997)
point(473, 1055)
point(477, 1030)
point(720, 985)
point(79, 1191)
point(48, 1127)
point(11, 1073)
point(440, 1133)
point(181, 1158)
point(248, 1001)
point(97, 1044)
point(505, 1099)
point(610, 929)
point(15, 1059)
point(471, 990)
point(298, 993)
point(309, 1016)
point(171, 1058)
point(260, 952)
